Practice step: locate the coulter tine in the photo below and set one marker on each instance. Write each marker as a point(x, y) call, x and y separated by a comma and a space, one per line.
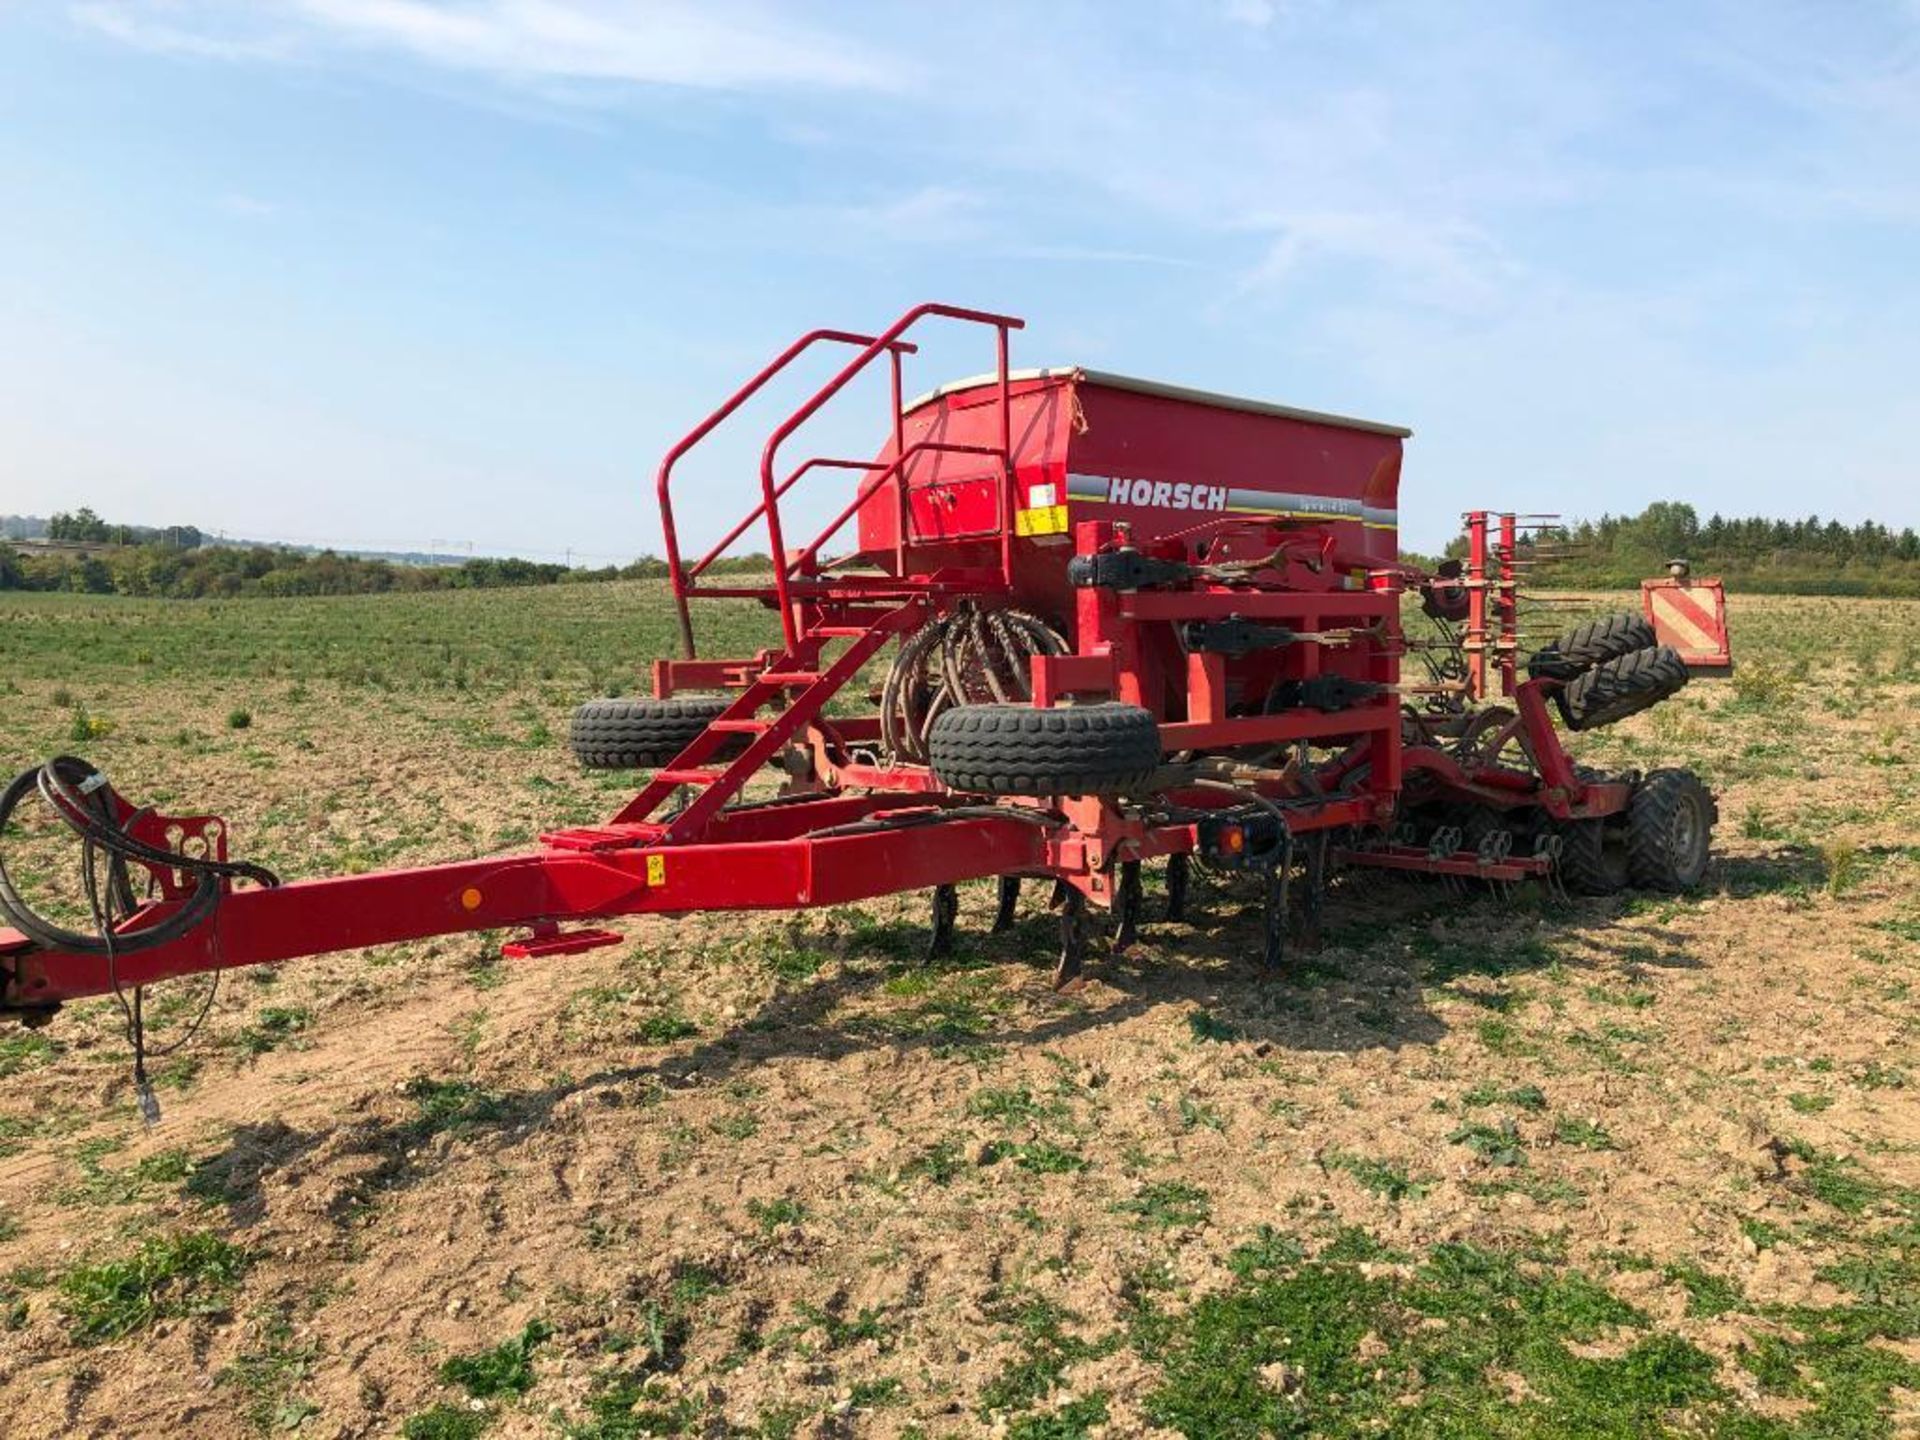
point(1073, 943)
point(1178, 875)
point(1127, 907)
point(1007, 904)
point(946, 910)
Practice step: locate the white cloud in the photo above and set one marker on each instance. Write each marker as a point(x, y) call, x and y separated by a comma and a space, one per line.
point(250, 207)
point(1256, 14)
point(695, 43)
point(178, 29)
point(1441, 262)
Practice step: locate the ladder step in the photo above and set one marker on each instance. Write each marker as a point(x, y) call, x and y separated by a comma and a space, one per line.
point(559, 942)
point(689, 777)
point(791, 677)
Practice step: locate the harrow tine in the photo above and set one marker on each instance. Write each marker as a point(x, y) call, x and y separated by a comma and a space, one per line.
point(946, 910)
point(1275, 918)
point(1314, 902)
point(1127, 907)
point(1007, 903)
point(1179, 869)
point(1073, 943)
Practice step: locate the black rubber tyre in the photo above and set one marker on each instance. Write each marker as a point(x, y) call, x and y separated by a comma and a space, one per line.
point(1021, 750)
point(638, 734)
point(1591, 643)
point(1623, 686)
point(1670, 830)
point(1479, 821)
point(1591, 861)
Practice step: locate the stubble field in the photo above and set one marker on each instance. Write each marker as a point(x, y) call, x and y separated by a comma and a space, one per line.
point(1618, 1167)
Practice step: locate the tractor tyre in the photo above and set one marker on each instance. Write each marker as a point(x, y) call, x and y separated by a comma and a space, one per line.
point(638, 734)
point(1623, 686)
point(1592, 643)
point(1670, 830)
point(1477, 822)
point(1022, 750)
point(1590, 864)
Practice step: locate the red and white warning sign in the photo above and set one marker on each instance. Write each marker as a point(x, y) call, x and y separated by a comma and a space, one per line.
point(1691, 616)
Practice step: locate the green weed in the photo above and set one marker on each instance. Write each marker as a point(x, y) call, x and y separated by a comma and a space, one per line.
point(770, 1215)
point(1497, 1144)
point(269, 1372)
point(506, 1369)
point(1583, 1133)
point(1042, 1157)
point(452, 1105)
point(272, 1027)
point(167, 1275)
point(1168, 1205)
point(1389, 1182)
point(665, 1028)
point(446, 1422)
point(1210, 1028)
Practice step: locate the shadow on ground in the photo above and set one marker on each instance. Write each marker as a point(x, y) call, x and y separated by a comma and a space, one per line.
point(1387, 946)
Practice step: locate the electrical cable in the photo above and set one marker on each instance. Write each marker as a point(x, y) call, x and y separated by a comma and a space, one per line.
point(80, 795)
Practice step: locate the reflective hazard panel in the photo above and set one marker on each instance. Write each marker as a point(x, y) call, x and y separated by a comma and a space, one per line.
point(1691, 616)
point(1041, 519)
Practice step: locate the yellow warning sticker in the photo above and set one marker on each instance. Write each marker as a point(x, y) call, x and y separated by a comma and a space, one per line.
point(656, 869)
point(1041, 520)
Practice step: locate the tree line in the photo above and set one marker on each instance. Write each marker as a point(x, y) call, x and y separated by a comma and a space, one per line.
point(174, 563)
point(1807, 557)
point(1790, 557)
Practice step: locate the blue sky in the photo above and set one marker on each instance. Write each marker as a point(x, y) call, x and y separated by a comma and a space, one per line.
point(387, 272)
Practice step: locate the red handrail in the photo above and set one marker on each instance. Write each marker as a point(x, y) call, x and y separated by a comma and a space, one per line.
point(807, 556)
point(770, 492)
point(677, 575)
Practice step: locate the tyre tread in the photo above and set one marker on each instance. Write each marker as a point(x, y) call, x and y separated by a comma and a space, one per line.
point(1067, 750)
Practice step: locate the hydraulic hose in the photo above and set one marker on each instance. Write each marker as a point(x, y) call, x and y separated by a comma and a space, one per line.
point(78, 792)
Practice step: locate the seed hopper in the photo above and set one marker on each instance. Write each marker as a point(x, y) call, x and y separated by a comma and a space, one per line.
point(1070, 623)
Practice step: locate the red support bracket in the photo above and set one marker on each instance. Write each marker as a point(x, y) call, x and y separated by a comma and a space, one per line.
point(1057, 676)
point(549, 939)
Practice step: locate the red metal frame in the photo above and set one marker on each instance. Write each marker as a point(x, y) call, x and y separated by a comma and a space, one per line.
point(1322, 564)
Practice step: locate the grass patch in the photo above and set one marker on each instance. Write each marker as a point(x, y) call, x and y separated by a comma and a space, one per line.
point(101, 1186)
point(1073, 1421)
point(1582, 1133)
point(167, 1276)
point(446, 1422)
point(1168, 1205)
point(1041, 1157)
point(505, 1370)
point(1209, 1028)
point(770, 1215)
point(452, 1105)
point(1011, 1105)
point(665, 1028)
point(269, 1373)
point(1281, 1353)
point(1390, 1182)
point(1496, 1144)
point(1523, 1097)
point(25, 1050)
point(625, 1407)
point(1707, 1294)
point(1047, 1348)
point(272, 1027)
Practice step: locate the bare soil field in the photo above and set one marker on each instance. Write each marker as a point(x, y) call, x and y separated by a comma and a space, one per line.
point(1620, 1167)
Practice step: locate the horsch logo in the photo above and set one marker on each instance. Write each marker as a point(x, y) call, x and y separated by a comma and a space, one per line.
point(1165, 494)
